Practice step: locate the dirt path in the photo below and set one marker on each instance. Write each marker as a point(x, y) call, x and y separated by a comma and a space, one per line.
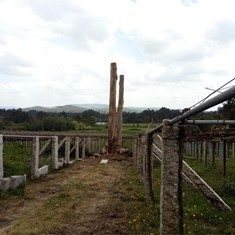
point(85, 198)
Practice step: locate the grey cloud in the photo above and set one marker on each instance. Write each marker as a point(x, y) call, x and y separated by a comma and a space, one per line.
point(157, 47)
point(75, 26)
point(191, 55)
point(223, 32)
point(219, 72)
point(13, 65)
point(176, 73)
point(174, 50)
point(82, 31)
point(153, 47)
point(52, 10)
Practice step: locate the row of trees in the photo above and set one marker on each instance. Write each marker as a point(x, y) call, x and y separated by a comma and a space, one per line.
point(13, 119)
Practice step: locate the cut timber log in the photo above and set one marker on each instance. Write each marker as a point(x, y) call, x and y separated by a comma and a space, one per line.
point(122, 150)
point(119, 111)
point(112, 138)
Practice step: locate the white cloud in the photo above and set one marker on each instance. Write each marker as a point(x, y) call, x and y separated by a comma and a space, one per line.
point(59, 52)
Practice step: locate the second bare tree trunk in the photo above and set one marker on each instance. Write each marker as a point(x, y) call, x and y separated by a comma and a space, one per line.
point(119, 111)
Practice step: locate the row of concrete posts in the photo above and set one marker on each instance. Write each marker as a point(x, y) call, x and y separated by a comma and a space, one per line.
point(75, 149)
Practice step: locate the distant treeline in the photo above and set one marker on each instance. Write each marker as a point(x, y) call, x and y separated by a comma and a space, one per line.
point(17, 119)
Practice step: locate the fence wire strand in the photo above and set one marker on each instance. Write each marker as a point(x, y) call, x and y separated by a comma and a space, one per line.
point(217, 90)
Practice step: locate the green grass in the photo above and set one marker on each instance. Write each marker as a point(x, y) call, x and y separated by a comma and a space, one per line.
point(144, 218)
point(200, 217)
point(199, 214)
point(127, 128)
point(17, 159)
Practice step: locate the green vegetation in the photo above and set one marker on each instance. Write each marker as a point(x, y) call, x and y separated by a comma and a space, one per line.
point(17, 159)
point(200, 217)
point(17, 119)
point(145, 217)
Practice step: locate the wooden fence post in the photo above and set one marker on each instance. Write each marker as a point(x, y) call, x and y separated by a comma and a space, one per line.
point(139, 155)
point(169, 208)
point(135, 150)
point(143, 156)
point(1, 157)
point(149, 168)
point(112, 110)
point(119, 111)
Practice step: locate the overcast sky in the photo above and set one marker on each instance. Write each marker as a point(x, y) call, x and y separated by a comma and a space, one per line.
point(56, 52)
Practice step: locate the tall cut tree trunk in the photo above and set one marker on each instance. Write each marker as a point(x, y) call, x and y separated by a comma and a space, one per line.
point(112, 138)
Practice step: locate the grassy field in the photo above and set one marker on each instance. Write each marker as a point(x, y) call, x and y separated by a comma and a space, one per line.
point(18, 155)
point(200, 217)
point(127, 129)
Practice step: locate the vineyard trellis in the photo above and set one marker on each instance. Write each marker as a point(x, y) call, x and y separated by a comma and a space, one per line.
point(166, 143)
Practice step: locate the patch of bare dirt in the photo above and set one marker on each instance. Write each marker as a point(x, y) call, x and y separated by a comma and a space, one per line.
point(85, 198)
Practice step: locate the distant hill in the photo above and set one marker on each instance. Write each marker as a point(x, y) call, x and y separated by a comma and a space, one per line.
point(79, 108)
point(57, 109)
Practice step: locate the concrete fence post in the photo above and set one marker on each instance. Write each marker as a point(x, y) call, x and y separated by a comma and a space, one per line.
point(89, 144)
point(67, 150)
point(192, 149)
point(99, 144)
point(197, 149)
point(35, 159)
point(204, 152)
point(210, 152)
point(93, 145)
point(169, 208)
point(1, 157)
point(222, 155)
point(200, 148)
point(77, 140)
point(55, 152)
point(84, 148)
